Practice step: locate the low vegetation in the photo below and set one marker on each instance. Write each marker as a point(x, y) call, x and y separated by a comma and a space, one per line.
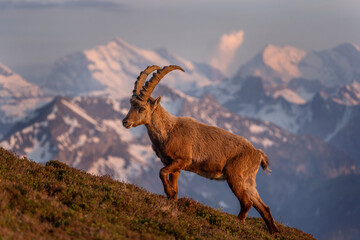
point(55, 201)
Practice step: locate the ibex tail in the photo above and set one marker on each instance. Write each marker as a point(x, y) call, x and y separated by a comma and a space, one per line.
point(264, 161)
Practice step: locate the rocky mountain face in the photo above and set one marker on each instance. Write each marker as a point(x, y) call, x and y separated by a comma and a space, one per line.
point(347, 138)
point(348, 94)
point(306, 124)
point(297, 75)
point(322, 116)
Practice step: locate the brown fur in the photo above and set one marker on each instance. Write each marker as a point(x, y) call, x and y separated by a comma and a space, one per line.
point(183, 143)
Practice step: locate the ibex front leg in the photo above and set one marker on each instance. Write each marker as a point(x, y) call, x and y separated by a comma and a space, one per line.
point(173, 177)
point(174, 169)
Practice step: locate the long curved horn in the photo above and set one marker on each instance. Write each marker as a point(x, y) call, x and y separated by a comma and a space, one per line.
point(149, 86)
point(141, 79)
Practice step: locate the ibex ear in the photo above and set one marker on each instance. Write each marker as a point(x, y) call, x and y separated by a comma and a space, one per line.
point(156, 102)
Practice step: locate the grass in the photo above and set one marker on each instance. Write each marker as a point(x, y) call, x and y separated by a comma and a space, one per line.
point(56, 201)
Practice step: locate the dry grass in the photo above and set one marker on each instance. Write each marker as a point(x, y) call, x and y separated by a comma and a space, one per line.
point(56, 201)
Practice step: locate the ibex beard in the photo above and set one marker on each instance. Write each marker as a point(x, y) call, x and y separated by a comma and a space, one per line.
point(183, 143)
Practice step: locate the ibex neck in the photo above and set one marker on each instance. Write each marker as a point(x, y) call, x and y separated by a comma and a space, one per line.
point(161, 123)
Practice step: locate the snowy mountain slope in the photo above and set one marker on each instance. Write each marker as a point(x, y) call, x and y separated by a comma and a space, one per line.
point(323, 116)
point(327, 116)
point(251, 100)
point(65, 131)
point(17, 98)
point(306, 89)
point(111, 70)
point(87, 133)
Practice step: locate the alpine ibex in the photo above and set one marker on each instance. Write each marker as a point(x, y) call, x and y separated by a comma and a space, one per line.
point(183, 143)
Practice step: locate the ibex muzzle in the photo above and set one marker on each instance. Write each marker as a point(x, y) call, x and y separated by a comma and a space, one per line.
point(183, 143)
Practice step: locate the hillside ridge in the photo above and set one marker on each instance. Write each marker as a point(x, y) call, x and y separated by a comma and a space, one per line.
point(55, 201)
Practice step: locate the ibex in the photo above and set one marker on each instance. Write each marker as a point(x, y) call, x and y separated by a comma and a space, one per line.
point(183, 143)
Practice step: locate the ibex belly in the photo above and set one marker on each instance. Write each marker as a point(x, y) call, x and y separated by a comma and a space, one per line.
point(210, 172)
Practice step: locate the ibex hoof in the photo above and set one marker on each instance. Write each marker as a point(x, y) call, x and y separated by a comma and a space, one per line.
point(175, 198)
point(274, 230)
point(172, 195)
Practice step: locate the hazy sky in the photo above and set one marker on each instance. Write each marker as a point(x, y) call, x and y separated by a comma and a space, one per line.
point(37, 32)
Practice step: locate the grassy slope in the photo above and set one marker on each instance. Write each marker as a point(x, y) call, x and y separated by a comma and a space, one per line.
point(59, 202)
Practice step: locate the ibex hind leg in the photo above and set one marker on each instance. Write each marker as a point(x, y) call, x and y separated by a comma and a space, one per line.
point(264, 211)
point(238, 188)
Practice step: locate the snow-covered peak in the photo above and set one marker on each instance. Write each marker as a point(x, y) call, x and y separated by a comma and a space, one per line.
point(122, 49)
point(111, 70)
point(278, 66)
point(275, 65)
point(284, 60)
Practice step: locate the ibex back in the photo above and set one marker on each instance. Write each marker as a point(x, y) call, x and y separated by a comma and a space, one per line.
point(183, 143)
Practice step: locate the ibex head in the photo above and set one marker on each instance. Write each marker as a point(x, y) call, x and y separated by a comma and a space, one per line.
point(142, 104)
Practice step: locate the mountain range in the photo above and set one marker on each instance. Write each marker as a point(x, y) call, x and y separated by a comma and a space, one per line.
point(280, 65)
point(110, 69)
point(305, 121)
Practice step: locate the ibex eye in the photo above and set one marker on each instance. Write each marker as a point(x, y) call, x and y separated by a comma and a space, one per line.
point(141, 109)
